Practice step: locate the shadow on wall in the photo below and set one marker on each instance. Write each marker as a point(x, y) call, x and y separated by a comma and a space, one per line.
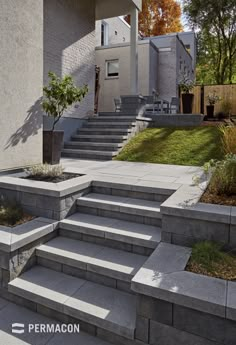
point(32, 124)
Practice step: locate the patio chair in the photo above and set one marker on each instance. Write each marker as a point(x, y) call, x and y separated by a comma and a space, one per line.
point(117, 102)
point(174, 104)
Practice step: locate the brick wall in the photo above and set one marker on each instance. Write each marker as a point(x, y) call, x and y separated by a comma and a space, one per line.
point(69, 45)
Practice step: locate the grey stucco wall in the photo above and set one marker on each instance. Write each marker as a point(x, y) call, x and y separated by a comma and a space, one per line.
point(21, 80)
point(111, 88)
point(69, 42)
point(115, 25)
point(69, 125)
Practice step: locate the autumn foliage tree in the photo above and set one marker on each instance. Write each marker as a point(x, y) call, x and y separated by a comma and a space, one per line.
point(159, 17)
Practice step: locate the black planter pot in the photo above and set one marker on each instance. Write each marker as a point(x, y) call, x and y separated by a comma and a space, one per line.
point(187, 101)
point(52, 145)
point(210, 111)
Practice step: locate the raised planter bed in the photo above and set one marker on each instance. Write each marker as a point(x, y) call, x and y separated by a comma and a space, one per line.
point(180, 307)
point(45, 199)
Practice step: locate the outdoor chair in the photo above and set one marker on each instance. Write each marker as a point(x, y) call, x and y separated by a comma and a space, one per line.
point(117, 102)
point(174, 105)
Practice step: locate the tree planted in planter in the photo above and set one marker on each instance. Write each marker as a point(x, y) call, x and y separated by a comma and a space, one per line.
point(59, 95)
point(186, 86)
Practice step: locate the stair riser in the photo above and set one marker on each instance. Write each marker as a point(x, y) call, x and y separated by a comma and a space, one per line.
point(103, 212)
point(111, 148)
point(108, 125)
point(83, 234)
point(85, 131)
point(90, 273)
point(129, 194)
point(87, 156)
point(98, 140)
point(117, 114)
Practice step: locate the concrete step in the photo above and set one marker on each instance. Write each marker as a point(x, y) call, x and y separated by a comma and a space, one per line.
point(130, 209)
point(101, 131)
point(108, 114)
point(100, 138)
point(96, 305)
point(132, 237)
point(90, 261)
point(88, 154)
point(93, 146)
point(152, 192)
point(116, 118)
point(109, 125)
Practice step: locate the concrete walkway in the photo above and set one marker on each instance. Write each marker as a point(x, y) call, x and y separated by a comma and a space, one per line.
point(135, 171)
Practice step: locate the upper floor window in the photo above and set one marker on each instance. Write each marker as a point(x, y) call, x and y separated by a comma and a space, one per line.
point(188, 48)
point(112, 69)
point(104, 33)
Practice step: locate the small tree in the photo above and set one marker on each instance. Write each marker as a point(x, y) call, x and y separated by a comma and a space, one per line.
point(60, 94)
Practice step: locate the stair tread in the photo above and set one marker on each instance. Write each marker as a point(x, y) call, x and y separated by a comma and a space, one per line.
point(110, 228)
point(100, 136)
point(110, 123)
point(99, 305)
point(90, 152)
point(93, 257)
point(104, 129)
point(120, 203)
point(112, 117)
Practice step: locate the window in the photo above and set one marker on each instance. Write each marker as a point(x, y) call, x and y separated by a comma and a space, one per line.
point(188, 48)
point(112, 67)
point(104, 33)
point(116, 33)
point(123, 39)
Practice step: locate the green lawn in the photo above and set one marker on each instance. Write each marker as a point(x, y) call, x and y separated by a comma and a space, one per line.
point(182, 146)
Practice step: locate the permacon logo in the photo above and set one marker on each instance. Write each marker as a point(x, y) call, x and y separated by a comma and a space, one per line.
point(20, 328)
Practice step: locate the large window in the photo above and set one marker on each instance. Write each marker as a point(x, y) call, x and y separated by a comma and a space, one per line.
point(104, 34)
point(112, 69)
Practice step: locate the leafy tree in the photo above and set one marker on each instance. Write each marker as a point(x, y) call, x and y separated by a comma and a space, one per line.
point(159, 17)
point(216, 21)
point(60, 94)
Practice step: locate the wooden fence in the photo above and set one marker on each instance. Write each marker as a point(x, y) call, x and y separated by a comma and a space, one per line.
point(225, 92)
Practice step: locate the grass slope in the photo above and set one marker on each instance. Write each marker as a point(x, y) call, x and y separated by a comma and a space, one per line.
point(182, 146)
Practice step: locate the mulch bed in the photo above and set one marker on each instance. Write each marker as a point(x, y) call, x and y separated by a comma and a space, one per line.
point(210, 198)
point(58, 179)
point(225, 269)
point(25, 219)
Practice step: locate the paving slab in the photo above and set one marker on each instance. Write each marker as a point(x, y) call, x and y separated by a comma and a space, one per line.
point(17, 314)
point(96, 304)
point(164, 278)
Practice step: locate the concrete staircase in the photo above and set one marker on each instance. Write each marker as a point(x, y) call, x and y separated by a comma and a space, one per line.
point(85, 273)
point(101, 137)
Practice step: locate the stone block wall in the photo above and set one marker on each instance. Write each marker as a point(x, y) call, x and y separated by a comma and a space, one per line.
point(165, 323)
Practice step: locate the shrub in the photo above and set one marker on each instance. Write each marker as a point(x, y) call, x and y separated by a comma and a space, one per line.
point(60, 94)
point(223, 179)
point(10, 213)
point(226, 108)
point(228, 139)
point(45, 171)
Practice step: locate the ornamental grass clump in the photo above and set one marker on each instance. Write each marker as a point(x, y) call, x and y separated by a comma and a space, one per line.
point(228, 139)
point(45, 171)
point(223, 179)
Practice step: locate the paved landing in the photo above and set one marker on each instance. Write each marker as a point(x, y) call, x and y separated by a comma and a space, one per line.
point(138, 171)
point(11, 313)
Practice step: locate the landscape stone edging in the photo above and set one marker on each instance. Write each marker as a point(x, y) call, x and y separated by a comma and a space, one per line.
point(165, 279)
point(12, 238)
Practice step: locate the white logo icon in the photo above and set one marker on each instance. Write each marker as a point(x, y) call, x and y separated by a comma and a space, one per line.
point(18, 328)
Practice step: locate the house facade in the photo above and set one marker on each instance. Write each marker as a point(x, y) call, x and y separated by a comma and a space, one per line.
point(161, 61)
point(36, 37)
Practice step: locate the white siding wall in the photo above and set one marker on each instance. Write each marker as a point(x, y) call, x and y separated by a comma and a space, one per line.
point(69, 42)
point(21, 80)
